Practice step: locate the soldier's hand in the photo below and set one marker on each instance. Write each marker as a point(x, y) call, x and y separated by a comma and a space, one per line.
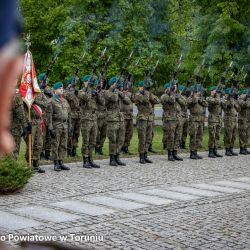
point(142, 92)
point(76, 91)
point(121, 94)
point(52, 133)
point(94, 93)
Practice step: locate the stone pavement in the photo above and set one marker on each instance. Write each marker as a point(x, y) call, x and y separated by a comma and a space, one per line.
point(200, 204)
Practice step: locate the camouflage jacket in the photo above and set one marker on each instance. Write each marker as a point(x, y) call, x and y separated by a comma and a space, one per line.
point(171, 104)
point(127, 106)
point(144, 102)
point(48, 91)
point(244, 112)
point(102, 109)
point(197, 107)
point(58, 113)
point(74, 103)
point(231, 109)
point(215, 109)
point(89, 104)
point(184, 107)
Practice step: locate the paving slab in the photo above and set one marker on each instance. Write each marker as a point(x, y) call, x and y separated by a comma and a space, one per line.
point(144, 198)
point(243, 179)
point(222, 189)
point(171, 194)
point(115, 203)
point(14, 222)
point(83, 207)
point(47, 214)
point(234, 184)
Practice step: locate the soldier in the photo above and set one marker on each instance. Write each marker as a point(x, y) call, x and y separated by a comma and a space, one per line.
point(196, 104)
point(115, 121)
point(88, 101)
point(231, 108)
point(214, 121)
point(243, 123)
point(71, 95)
point(101, 123)
point(171, 100)
point(19, 123)
point(143, 100)
point(59, 122)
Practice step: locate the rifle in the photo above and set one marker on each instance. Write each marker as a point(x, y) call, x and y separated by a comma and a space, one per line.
point(103, 71)
point(147, 72)
point(176, 71)
point(129, 79)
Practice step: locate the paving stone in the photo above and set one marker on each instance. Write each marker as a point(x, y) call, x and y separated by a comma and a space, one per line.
point(243, 179)
point(171, 194)
point(233, 184)
point(83, 207)
point(144, 198)
point(14, 222)
point(115, 203)
point(194, 191)
point(46, 214)
point(229, 190)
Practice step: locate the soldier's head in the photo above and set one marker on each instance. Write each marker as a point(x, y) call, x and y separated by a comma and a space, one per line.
point(174, 85)
point(243, 93)
point(167, 87)
point(113, 82)
point(58, 88)
point(212, 90)
point(85, 80)
point(94, 83)
point(141, 85)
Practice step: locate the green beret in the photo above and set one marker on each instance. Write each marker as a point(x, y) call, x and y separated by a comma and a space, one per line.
point(243, 92)
point(112, 80)
point(227, 90)
point(181, 88)
point(167, 85)
point(94, 82)
point(85, 78)
point(212, 88)
point(191, 88)
point(41, 76)
point(57, 85)
point(141, 84)
point(69, 80)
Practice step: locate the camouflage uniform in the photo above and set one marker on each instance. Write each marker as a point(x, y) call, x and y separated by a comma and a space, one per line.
point(231, 108)
point(18, 122)
point(244, 125)
point(196, 106)
point(184, 122)
point(71, 95)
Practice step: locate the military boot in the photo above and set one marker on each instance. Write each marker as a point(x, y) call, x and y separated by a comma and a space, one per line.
point(228, 152)
point(47, 155)
point(118, 161)
point(100, 150)
point(176, 157)
point(232, 152)
point(86, 163)
point(126, 151)
point(146, 158)
point(193, 155)
point(42, 156)
point(69, 152)
point(248, 152)
point(36, 167)
point(151, 150)
point(97, 150)
point(92, 164)
point(112, 161)
point(216, 153)
point(56, 166)
point(211, 153)
point(170, 155)
point(123, 150)
point(62, 166)
point(197, 156)
point(183, 144)
point(164, 146)
point(243, 151)
point(73, 154)
point(142, 158)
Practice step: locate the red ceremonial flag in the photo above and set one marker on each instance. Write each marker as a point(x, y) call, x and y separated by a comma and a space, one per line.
point(29, 85)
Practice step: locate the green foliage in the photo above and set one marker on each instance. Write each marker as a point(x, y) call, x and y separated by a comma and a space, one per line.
point(13, 174)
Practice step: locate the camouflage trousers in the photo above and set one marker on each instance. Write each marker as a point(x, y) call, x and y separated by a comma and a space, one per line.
point(214, 134)
point(101, 131)
point(173, 129)
point(244, 132)
point(17, 136)
point(230, 132)
point(76, 127)
point(37, 141)
point(129, 126)
point(152, 136)
point(196, 134)
point(89, 132)
point(184, 129)
point(144, 129)
point(46, 139)
point(59, 143)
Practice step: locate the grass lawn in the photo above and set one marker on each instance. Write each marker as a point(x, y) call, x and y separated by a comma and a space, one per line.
point(157, 145)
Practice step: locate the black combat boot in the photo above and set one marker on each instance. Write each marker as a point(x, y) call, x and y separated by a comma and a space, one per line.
point(197, 156)
point(42, 156)
point(170, 155)
point(176, 157)
point(123, 150)
point(248, 152)
point(36, 167)
point(126, 151)
point(232, 152)
point(69, 152)
point(164, 146)
point(183, 144)
point(216, 153)
point(118, 161)
point(146, 158)
point(150, 149)
point(100, 150)
point(243, 151)
point(86, 163)
point(92, 164)
point(47, 155)
point(211, 153)
point(142, 158)
point(56, 166)
point(228, 152)
point(112, 161)
point(73, 153)
point(97, 150)
point(193, 155)
point(62, 166)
